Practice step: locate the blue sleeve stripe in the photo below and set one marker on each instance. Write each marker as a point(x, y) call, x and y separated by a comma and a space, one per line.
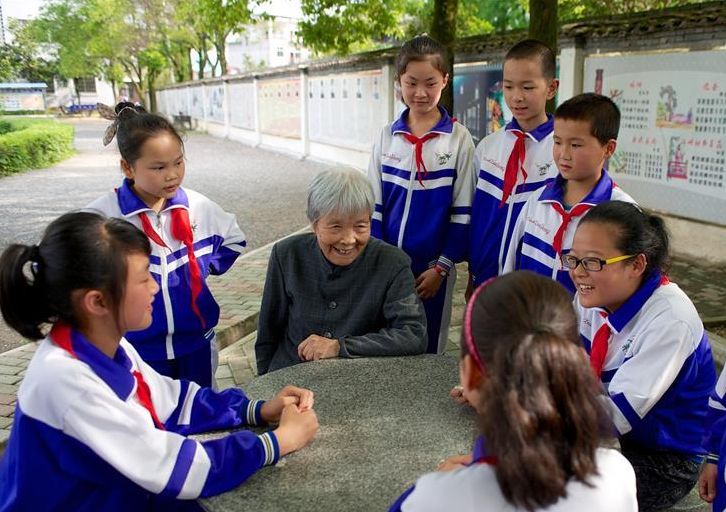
point(440, 173)
point(379, 207)
point(173, 419)
point(539, 244)
point(181, 468)
point(253, 415)
point(530, 187)
point(387, 169)
point(396, 507)
point(622, 403)
point(497, 182)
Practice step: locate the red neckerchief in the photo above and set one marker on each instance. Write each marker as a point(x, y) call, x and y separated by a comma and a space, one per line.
point(418, 149)
point(60, 334)
point(181, 230)
point(601, 341)
point(576, 211)
point(514, 164)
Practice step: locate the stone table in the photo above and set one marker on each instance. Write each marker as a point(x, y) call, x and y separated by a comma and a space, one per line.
point(383, 423)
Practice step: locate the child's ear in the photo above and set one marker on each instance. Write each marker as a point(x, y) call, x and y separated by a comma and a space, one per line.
point(552, 88)
point(92, 303)
point(446, 81)
point(610, 147)
point(126, 168)
point(470, 376)
point(640, 262)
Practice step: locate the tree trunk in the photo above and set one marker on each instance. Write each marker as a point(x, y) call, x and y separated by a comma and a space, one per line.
point(152, 92)
point(221, 56)
point(78, 93)
point(543, 26)
point(443, 29)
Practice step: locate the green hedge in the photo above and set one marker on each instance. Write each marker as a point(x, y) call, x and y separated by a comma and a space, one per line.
point(32, 144)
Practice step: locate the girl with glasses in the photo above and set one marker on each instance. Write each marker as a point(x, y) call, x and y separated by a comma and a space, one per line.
point(647, 346)
point(542, 425)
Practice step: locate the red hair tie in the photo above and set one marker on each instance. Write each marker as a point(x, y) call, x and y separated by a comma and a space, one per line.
point(468, 337)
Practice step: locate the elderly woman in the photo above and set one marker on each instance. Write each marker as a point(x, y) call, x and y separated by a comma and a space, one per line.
point(337, 292)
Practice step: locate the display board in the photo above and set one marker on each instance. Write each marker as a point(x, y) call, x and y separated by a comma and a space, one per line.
point(197, 102)
point(242, 105)
point(279, 107)
point(215, 102)
point(346, 109)
point(672, 137)
point(479, 101)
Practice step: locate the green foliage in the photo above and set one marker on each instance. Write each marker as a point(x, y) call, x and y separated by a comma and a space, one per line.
point(570, 10)
point(32, 144)
point(20, 59)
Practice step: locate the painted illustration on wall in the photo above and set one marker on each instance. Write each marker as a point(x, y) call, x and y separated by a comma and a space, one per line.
point(215, 103)
point(242, 105)
point(197, 102)
point(478, 100)
point(667, 115)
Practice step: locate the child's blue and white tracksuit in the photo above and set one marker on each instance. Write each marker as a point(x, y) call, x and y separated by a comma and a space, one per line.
point(82, 440)
point(495, 211)
point(546, 227)
point(177, 332)
point(423, 194)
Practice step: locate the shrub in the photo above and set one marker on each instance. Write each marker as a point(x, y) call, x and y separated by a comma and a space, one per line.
point(32, 144)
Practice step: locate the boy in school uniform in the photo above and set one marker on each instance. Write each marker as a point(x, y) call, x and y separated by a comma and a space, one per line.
point(585, 136)
point(513, 162)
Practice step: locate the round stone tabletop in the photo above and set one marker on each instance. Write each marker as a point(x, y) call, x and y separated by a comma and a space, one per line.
point(383, 423)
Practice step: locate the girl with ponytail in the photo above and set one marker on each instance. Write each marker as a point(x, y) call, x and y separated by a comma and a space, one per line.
point(95, 427)
point(647, 346)
point(191, 237)
point(542, 425)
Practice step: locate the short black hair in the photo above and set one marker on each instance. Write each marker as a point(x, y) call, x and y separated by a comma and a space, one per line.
point(598, 110)
point(535, 50)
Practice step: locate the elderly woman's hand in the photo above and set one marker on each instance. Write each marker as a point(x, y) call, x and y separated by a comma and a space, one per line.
point(428, 283)
point(316, 347)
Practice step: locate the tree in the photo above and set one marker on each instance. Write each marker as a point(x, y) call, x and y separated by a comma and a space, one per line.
point(443, 29)
point(543, 26)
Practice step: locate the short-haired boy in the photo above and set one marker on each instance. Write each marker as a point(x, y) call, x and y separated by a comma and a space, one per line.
point(513, 162)
point(585, 136)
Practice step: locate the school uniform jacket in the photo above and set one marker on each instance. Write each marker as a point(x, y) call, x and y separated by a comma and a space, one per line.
point(658, 371)
point(176, 330)
point(715, 439)
point(532, 244)
point(492, 223)
point(425, 213)
point(82, 441)
point(475, 489)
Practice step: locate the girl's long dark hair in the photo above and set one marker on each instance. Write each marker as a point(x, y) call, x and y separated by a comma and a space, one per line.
point(79, 251)
point(540, 414)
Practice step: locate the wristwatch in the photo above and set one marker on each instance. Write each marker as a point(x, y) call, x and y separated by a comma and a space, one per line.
point(441, 271)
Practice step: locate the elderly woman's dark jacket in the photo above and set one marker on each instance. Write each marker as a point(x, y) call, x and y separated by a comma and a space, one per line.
point(369, 306)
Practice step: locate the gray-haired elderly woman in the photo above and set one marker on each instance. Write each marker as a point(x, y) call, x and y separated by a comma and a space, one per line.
point(336, 292)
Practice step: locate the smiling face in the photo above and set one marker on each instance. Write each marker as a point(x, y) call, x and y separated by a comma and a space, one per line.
point(421, 86)
point(159, 170)
point(342, 238)
point(579, 155)
point(526, 91)
point(615, 283)
point(136, 305)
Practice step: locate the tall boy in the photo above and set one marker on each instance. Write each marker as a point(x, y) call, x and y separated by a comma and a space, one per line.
point(585, 136)
point(513, 162)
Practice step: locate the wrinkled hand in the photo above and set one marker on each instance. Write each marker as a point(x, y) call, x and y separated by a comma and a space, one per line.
point(272, 409)
point(297, 428)
point(707, 482)
point(316, 347)
point(428, 283)
point(457, 393)
point(455, 462)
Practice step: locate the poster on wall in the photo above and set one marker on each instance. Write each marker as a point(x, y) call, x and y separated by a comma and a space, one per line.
point(346, 109)
point(673, 124)
point(215, 103)
point(479, 101)
point(279, 107)
point(242, 105)
point(197, 102)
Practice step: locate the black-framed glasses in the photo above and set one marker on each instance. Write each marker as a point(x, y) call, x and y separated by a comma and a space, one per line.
point(591, 264)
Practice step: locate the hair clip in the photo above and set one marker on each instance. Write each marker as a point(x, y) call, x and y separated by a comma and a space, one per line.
point(110, 114)
point(468, 336)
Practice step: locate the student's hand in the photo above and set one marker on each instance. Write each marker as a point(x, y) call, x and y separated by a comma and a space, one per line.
point(455, 462)
point(316, 347)
point(457, 393)
point(272, 409)
point(428, 283)
point(297, 428)
point(707, 482)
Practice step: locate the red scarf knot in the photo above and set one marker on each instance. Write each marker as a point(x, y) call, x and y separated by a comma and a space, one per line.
point(576, 211)
point(599, 348)
point(418, 150)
